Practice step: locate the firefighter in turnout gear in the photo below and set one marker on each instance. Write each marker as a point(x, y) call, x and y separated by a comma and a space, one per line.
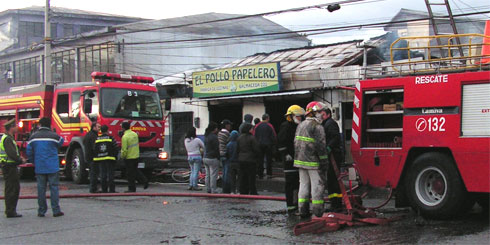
point(105, 152)
point(312, 160)
point(287, 131)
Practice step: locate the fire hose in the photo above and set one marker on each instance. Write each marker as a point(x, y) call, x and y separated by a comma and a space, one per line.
point(167, 194)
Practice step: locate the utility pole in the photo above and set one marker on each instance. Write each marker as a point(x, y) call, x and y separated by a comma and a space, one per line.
point(47, 46)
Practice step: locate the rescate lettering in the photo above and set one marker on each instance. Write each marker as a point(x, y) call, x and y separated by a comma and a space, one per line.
point(431, 79)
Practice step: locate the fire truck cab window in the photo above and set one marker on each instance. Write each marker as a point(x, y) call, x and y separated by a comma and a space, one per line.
point(383, 123)
point(62, 107)
point(135, 104)
point(75, 104)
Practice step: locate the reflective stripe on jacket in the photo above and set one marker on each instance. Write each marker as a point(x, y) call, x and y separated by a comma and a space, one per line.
point(3, 153)
point(130, 145)
point(309, 144)
point(105, 148)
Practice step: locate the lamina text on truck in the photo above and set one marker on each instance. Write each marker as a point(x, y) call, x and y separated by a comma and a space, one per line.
point(110, 99)
point(426, 131)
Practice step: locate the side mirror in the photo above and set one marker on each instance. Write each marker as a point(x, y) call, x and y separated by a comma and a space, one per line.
point(87, 106)
point(168, 104)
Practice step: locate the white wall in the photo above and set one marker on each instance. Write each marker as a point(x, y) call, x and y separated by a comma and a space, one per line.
point(254, 107)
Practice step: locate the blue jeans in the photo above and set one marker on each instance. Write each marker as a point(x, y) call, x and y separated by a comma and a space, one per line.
point(53, 180)
point(195, 162)
point(226, 177)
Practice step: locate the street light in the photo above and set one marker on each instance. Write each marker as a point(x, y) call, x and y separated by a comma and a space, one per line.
point(333, 7)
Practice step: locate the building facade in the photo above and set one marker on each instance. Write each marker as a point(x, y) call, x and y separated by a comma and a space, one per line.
point(155, 48)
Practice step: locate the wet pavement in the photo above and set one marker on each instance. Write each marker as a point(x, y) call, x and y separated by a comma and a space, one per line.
point(182, 220)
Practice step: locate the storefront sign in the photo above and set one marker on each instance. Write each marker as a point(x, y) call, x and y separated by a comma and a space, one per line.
point(237, 80)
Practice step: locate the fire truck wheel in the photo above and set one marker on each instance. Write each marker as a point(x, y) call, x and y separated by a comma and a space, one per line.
point(435, 188)
point(77, 167)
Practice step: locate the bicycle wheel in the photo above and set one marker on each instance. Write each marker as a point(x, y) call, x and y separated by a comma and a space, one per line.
point(181, 175)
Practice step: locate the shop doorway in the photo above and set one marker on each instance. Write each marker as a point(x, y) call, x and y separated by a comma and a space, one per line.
point(277, 107)
point(232, 112)
point(181, 122)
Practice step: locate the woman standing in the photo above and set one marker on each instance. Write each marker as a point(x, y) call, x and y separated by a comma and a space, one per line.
point(194, 147)
point(248, 150)
point(211, 157)
point(232, 158)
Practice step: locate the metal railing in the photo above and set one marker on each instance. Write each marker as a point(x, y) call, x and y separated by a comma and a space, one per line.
point(470, 59)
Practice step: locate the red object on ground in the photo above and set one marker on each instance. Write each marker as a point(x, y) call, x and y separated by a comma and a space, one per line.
point(169, 194)
point(355, 214)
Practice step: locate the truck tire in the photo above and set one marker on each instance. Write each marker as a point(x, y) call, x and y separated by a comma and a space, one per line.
point(435, 188)
point(78, 170)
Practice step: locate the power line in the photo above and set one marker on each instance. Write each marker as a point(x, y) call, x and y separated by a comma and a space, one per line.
point(318, 6)
point(359, 26)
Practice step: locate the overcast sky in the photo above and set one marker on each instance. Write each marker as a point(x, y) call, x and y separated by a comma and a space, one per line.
point(369, 12)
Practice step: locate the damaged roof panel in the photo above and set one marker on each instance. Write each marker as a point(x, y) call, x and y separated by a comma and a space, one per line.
point(308, 58)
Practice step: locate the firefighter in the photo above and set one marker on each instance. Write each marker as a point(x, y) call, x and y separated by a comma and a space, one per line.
point(9, 159)
point(311, 159)
point(105, 152)
point(88, 142)
point(294, 116)
point(332, 136)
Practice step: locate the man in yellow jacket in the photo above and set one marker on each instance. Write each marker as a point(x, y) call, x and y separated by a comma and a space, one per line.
point(130, 152)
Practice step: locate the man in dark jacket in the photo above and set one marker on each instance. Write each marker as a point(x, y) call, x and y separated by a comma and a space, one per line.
point(247, 119)
point(105, 153)
point(332, 136)
point(9, 159)
point(89, 142)
point(266, 136)
point(285, 146)
point(247, 150)
point(42, 150)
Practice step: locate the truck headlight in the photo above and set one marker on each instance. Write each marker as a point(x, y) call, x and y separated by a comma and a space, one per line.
point(163, 155)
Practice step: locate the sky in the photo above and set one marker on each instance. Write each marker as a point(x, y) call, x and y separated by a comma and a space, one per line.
point(369, 11)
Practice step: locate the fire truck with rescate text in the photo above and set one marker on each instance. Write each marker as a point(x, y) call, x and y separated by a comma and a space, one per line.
point(110, 99)
point(425, 132)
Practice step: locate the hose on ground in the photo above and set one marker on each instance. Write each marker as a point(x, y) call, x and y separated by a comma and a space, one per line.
point(168, 194)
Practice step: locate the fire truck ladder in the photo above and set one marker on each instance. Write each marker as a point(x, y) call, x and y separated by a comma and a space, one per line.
point(442, 19)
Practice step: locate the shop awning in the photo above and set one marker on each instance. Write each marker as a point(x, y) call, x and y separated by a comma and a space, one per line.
point(247, 96)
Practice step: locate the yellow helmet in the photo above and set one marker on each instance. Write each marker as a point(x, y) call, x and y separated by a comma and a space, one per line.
point(295, 110)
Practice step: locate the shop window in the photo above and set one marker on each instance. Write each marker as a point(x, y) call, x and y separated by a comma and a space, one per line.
point(383, 118)
point(62, 107)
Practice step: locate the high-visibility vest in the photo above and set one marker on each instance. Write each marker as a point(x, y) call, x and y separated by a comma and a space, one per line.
point(3, 154)
point(104, 147)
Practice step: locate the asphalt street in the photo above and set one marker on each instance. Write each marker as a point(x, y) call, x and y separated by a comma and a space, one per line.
point(182, 220)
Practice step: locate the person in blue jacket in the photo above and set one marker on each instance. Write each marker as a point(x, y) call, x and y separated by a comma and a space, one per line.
point(42, 150)
point(232, 158)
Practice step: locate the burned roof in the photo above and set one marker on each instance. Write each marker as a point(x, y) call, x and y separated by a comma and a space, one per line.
point(311, 57)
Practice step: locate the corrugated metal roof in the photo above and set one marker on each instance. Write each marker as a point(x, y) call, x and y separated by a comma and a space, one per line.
point(309, 58)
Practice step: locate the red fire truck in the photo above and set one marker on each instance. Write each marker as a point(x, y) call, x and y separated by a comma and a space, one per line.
point(110, 99)
point(426, 135)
